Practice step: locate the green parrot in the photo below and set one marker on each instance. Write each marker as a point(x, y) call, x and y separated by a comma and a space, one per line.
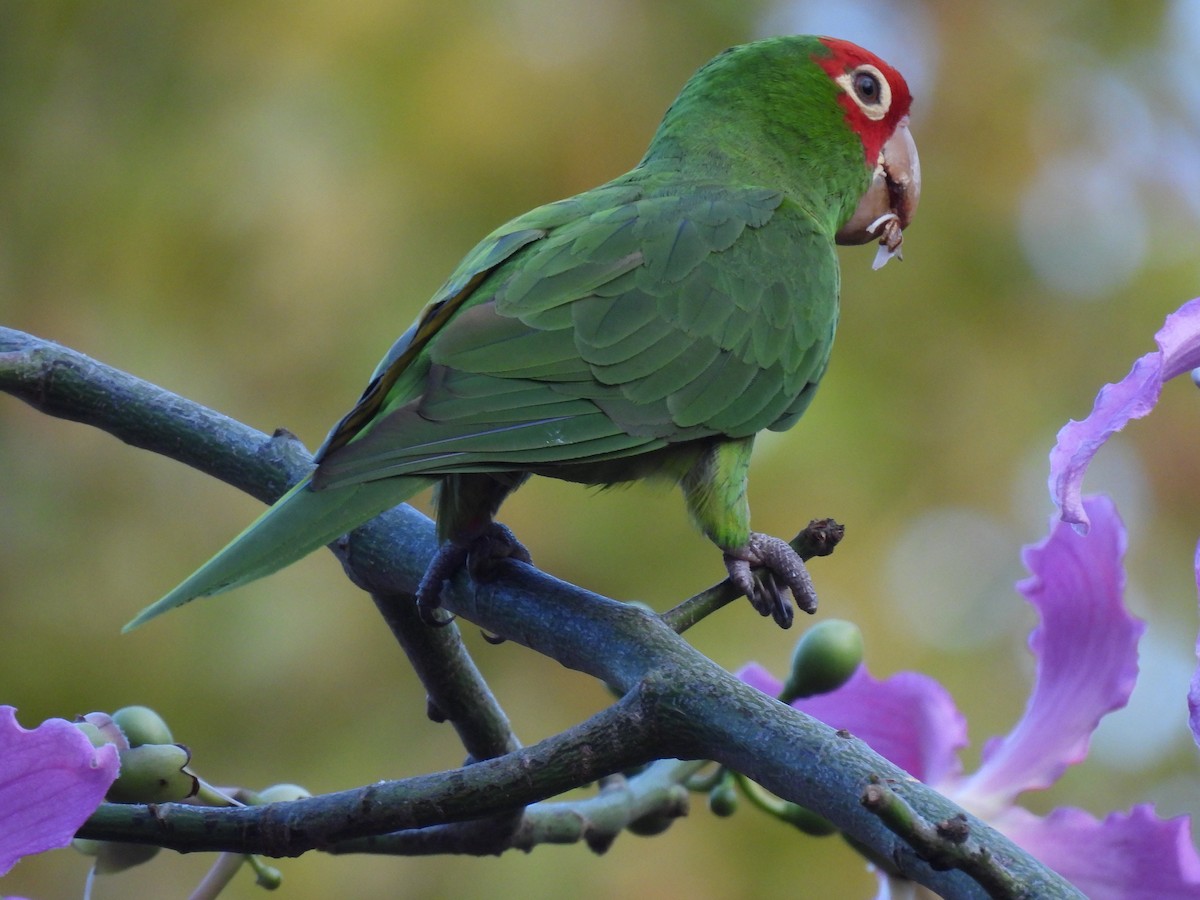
point(649, 327)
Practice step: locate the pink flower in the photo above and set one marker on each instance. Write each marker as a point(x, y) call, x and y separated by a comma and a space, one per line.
point(1132, 397)
point(51, 780)
point(1086, 651)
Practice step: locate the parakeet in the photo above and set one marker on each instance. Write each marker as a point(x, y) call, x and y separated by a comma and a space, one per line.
point(647, 327)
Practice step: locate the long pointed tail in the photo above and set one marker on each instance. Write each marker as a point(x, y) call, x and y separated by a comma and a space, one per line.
point(297, 524)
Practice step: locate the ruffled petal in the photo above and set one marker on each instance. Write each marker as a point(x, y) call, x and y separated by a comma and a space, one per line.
point(908, 719)
point(51, 780)
point(1131, 398)
point(1194, 688)
point(1086, 650)
point(1127, 856)
point(757, 676)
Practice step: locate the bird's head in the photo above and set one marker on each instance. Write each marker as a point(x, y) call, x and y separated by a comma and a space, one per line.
point(876, 101)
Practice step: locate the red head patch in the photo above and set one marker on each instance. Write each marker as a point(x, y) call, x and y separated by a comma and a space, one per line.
point(874, 94)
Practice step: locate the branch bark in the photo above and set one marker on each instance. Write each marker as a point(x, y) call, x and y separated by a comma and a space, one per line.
point(676, 702)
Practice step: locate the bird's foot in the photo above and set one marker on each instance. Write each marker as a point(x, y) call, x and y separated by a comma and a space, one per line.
point(765, 569)
point(479, 554)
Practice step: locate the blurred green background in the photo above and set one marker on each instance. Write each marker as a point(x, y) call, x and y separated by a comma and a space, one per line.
point(246, 201)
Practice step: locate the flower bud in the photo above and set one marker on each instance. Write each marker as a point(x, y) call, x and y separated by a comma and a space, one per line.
point(142, 725)
point(806, 820)
point(824, 659)
point(651, 824)
point(154, 773)
point(267, 877)
point(279, 793)
point(101, 729)
point(723, 799)
point(113, 856)
point(94, 734)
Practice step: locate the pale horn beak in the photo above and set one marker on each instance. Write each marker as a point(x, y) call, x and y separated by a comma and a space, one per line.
point(891, 201)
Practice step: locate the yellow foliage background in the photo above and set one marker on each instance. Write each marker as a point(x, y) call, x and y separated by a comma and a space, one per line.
point(246, 202)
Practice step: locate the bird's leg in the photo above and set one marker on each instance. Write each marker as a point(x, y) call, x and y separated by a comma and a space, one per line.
point(763, 568)
point(495, 544)
point(478, 553)
point(466, 505)
point(449, 559)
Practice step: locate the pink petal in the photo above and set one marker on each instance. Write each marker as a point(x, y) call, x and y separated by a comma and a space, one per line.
point(51, 780)
point(1194, 688)
point(908, 719)
point(1086, 649)
point(1128, 856)
point(1131, 398)
point(757, 676)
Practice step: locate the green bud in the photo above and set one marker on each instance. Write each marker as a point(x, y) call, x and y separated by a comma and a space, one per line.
point(651, 824)
point(101, 729)
point(154, 773)
point(87, 846)
point(723, 799)
point(265, 876)
point(674, 805)
point(112, 856)
point(824, 659)
point(280, 793)
point(94, 734)
point(806, 820)
point(142, 725)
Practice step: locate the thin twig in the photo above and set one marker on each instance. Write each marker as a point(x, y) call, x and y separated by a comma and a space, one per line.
point(617, 738)
point(819, 538)
point(949, 844)
point(657, 792)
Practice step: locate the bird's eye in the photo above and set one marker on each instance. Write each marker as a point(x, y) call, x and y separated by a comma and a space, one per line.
point(866, 86)
point(869, 90)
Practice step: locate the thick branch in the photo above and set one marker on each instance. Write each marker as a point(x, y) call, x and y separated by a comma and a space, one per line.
point(63, 383)
point(678, 703)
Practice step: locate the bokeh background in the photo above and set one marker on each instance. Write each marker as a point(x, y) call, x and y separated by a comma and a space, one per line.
point(246, 201)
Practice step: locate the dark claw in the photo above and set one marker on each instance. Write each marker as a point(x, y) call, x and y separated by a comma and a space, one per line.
point(478, 554)
point(779, 567)
point(495, 544)
point(446, 563)
point(780, 607)
point(434, 617)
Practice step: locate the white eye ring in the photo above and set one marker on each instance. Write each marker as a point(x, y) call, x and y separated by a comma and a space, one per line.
point(873, 111)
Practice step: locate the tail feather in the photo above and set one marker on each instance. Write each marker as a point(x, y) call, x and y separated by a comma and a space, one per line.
point(297, 524)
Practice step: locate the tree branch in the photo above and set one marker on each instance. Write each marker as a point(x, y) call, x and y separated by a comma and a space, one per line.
point(614, 739)
point(947, 844)
point(676, 702)
point(656, 794)
point(64, 383)
point(819, 538)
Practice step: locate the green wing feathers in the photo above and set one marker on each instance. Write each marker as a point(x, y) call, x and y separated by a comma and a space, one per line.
point(579, 337)
point(301, 521)
point(651, 318)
